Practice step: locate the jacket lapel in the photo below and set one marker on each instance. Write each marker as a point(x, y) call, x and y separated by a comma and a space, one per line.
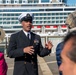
point(24, 38)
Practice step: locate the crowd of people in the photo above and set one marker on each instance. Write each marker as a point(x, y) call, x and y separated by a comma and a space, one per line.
point(25, 45)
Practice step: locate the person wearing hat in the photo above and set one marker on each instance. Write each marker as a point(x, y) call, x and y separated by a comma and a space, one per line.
point(71, 24)
point(24, 47)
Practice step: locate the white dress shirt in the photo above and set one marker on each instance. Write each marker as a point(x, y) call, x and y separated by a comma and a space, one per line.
point(27, 33)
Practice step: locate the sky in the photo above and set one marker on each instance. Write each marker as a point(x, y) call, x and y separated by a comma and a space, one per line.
point(71, 2)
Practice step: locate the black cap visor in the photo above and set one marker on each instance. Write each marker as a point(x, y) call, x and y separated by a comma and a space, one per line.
point(27, 19)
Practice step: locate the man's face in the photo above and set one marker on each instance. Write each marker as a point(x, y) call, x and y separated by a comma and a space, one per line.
point(27, 25)
point(67, 66)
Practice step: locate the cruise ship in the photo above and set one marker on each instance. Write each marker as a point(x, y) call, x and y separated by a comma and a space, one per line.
point(49, 18)
point(49, 15)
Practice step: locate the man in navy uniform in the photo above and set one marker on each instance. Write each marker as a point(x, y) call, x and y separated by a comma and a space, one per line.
point(24, 47)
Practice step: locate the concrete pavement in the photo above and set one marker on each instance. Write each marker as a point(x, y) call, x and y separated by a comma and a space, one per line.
point(47, 65)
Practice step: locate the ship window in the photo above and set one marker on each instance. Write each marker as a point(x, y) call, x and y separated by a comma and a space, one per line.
point(16, 22)
point(40, 14)
point(8, 14)
point(7, 27)
point(57, 13)
point(43, 1)
point(61, 21)
point(61, 13)
point(8, 18)
point(1, 26)
point(17, 26)
point(7, 1)
point(45, 22)
point(20, 1)
point(53, 13)
point(12, 18)
point(4, 14)
point(41, 9)
point(16, 14)
point(65, 17)
point(68, 13)
point(40, 18)
point(4, 1)
point(65, 13)
point(4, 18)
point(12, 1)
point(4, 22)
point(44, 14)
point(36, 21)
point(48, 17)
point(69, 9)
point(0, 18)
point(64, 21)
point(53, 9)
point(0, 14)
point(53, 21)
point(16, 1)
point(36, 14)
point(40, 21)
point(57, 17)
point(8, 22)
point(29, 1)
point(12, 14)
point(36, 18)
point(57, 21)
point(0, 22)
point(61, 17)
point(48, 21)
point(35, 1)
point(24, 2)
point(12, 23)
point(53, 17)
point(44, 18)
point(49, 14)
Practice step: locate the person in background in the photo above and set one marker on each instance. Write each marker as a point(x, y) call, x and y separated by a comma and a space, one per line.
point(3, 65)
point(24, 46)
point(71, 24)
point(68, 54)
point(58, 57)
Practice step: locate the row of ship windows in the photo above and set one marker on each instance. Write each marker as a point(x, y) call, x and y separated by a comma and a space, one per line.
point(37, 18)
point(23, 1)
point(10, 27)
point(35, 10)
point(38, 14)
point(45, 18)
point(15, 1)
point(36, 22)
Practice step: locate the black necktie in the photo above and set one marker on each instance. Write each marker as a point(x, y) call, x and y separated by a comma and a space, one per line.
point(28, 35)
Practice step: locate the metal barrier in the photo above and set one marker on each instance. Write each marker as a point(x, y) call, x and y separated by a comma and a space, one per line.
point(54, 39)
point(44, 39)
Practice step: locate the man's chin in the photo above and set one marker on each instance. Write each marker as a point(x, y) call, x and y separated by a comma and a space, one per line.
point(28, 30)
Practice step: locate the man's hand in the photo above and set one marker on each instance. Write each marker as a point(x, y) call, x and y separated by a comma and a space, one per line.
point(49, 45)
point(29, 50)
